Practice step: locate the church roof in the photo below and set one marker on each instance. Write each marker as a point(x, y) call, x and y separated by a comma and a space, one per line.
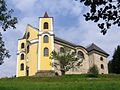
point(94, 47)
point(64, 41)
point(90, 48)
point(67, 42)
point(46, 15)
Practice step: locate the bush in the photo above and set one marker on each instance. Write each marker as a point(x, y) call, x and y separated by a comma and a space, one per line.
point(93, 71)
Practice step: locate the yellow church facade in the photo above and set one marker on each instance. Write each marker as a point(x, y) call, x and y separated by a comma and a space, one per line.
point(35, 47)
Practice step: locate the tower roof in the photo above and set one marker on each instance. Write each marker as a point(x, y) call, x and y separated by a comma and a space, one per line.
point(94, 47)
point(46, 15)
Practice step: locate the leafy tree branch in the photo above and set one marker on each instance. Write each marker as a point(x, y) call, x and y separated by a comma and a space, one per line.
point(103, 12)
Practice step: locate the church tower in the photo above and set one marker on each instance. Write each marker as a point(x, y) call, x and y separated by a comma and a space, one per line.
point(45, 43)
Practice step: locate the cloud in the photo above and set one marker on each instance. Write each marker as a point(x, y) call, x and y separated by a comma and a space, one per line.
point(24, 5)
point(85, 33)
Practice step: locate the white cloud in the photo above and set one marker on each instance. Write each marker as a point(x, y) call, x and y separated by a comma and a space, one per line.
point(24, 5)
point(61, 7)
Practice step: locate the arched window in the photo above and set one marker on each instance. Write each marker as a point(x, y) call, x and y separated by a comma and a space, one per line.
point(22, 66)
point(101, 58)
point(46, 39)
point(45, 25)
point(22, 56)
point(22, 45)
point(102, 66)
point(46, 51)
point(80, 54)
point(28, 49)
point(62, 50)
point(28, 35)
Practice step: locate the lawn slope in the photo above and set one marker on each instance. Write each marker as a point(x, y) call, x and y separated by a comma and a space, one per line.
point(68, 82)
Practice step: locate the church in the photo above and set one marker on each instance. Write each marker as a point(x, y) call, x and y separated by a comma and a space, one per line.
point(35, 47)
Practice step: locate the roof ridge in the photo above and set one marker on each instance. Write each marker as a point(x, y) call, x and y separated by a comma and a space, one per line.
point(32, 26)
point(65, 41)
point(96, 48)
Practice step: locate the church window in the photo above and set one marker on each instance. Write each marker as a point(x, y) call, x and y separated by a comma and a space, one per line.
point(62, 50)
point(28, 35)
point(45, 25)
point(102, 66)
point(22, 66)
point(80, 54)
point(46, 39)
point(22, 45)
point(101, 58)
point(28, 49)
point(22, 56)
point(46, 51)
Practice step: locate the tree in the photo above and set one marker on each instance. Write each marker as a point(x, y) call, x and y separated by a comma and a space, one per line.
point(93, 71)
point(65, 60)
point(109, 66)
point(103, 12)
point(3, 52)
point(114, 64)
point(6, 21)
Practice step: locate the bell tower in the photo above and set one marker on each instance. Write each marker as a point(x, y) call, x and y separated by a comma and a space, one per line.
point(46, 43)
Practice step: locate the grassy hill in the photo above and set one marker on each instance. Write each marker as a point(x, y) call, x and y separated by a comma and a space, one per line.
point(68, 82)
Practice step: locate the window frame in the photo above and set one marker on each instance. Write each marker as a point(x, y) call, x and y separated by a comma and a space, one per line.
point(22, 66)
point(22, 56)
point(102, 66)
point(46, 25)
point(101, 58)
point(46, 39)
point(62, 50)
point(46, 52)
point(22, 45)
point(80, 54)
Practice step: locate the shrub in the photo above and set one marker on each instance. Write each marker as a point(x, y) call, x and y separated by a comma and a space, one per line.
point(93, 71)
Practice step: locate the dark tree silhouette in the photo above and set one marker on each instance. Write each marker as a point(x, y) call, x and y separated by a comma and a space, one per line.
point(103, 12)
point(4, 53)
point(114, 64)
point(6, 21)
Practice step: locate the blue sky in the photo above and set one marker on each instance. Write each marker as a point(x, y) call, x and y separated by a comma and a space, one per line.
point(69, 24)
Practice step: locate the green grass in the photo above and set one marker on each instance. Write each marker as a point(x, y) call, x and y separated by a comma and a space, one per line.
point(68, 82)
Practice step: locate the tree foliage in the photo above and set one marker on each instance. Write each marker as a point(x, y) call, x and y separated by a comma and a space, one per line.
point(114, 64)
point(103, 12)
point(4, 53)
point(6, 21)
point(65, 60)
point(93, 70)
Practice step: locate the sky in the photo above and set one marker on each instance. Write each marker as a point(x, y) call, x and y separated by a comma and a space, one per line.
point(69, 24)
